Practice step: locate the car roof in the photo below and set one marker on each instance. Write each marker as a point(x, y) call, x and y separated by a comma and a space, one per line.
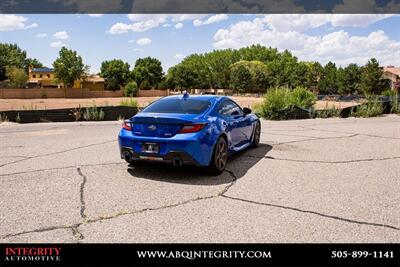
point(213, 98)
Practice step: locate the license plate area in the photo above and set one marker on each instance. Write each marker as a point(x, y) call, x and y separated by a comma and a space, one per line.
point(150, 148)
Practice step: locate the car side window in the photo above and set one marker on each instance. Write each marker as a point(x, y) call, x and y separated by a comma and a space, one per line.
point(229, 108)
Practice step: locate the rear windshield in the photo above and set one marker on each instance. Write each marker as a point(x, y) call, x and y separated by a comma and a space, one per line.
point(180, 106)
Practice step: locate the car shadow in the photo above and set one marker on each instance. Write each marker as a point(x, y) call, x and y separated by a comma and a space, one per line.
point(197, 175)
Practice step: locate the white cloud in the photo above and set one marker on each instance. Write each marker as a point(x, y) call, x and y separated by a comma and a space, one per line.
point(179, 25)
point(179, 56)
point(41, 35)
point(143, 41)
point(57, 44)
point(338, 46)
point(61, 35)
point(210, 20)
point(95, 15)
point(144, 22)
point(138, 50)
point(303, 22)
point(132, 41)
point(14, 22)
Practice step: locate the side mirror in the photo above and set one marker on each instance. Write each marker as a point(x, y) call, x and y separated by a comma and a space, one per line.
point(246, 111)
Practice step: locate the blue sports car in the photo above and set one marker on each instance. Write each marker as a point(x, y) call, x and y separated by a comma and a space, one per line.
point(200, 130)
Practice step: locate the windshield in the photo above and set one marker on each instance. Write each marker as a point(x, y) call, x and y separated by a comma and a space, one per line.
point(180, 106)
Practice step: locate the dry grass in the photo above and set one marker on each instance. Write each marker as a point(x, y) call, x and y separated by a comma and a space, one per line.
point(57, 103)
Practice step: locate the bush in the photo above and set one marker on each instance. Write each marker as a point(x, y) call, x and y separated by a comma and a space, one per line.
point(18, 77)
point(332, 112)
point(280, 99)
point(302, 97)
point(388, 93)
point(145, 85)
point(131, 89)
point(93, 114)
point(130, 102)
point(371, 108)
point(394, 103)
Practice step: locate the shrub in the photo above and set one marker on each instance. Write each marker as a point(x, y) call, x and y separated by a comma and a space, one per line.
point(302, 97)
point(130, 102)
point(371, 108)
point(93, 114)
point(280, 99)
point(145, 85)
point(274, 101)
point(3, 118)
point(327, 113)
point(131, 89)
point(18, 77)
point(77, 113)
point(388, 92)
point(394, 103)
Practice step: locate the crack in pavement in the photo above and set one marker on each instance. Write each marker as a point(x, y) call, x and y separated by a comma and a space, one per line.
point(58, 152)
point(62, 168)
point(314, 213)
point(77, 233)
point(305, 136)
point(324, 162)
point(82, 192)
point(313, 139)
point(40, 230)
point(226, 188)
point(363, 134)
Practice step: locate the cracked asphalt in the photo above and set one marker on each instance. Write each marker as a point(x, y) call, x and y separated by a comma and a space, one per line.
point(321, 180)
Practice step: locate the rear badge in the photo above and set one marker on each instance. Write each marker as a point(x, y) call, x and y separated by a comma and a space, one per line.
point(152, 127)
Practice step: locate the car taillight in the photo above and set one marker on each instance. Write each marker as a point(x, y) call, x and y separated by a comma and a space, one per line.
point(127, 125)
point(192, 128)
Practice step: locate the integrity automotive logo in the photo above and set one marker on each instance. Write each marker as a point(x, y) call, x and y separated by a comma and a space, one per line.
point(32, 254)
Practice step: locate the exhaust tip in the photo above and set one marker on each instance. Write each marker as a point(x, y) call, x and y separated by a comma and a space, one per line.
point(127, 157)
point(177, 162)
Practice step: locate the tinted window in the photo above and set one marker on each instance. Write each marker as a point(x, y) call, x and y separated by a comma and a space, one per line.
point(229, 108)
point(181, 106)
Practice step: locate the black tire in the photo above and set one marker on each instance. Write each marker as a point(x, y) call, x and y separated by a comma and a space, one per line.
point(219, 157)
point(256, 135)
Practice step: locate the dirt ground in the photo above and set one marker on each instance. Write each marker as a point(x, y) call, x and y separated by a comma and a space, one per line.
point(57, 103)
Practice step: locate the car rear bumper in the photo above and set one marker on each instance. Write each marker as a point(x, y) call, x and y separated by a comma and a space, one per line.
point(168, 158)
point(194, 149)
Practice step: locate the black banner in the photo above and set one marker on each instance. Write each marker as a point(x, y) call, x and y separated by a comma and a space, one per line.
point(199, 254)
point(200, 6)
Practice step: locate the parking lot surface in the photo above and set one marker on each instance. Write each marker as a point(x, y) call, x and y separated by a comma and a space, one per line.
point(321, 180)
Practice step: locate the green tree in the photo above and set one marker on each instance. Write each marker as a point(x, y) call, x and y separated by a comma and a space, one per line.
point(328, 83)
point(313, 75)
point(32, 62)
point(371, 78)
point(259, 79)
point(131, 89)
point(17, 76)
point(241, 79)
point(148, 69)
point(145, 85)
point(13, 56)
point(115, 72)
point(350, 79)
point(182, 77)
point(69, 67)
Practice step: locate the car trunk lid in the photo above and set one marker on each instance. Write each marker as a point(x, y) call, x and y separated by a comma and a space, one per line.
point(154, 125)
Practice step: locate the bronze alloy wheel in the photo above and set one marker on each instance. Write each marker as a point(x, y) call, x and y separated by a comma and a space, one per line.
point(257, 134)
point(219, 157)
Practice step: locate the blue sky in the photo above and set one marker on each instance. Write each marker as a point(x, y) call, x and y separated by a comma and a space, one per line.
point(340, 38)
